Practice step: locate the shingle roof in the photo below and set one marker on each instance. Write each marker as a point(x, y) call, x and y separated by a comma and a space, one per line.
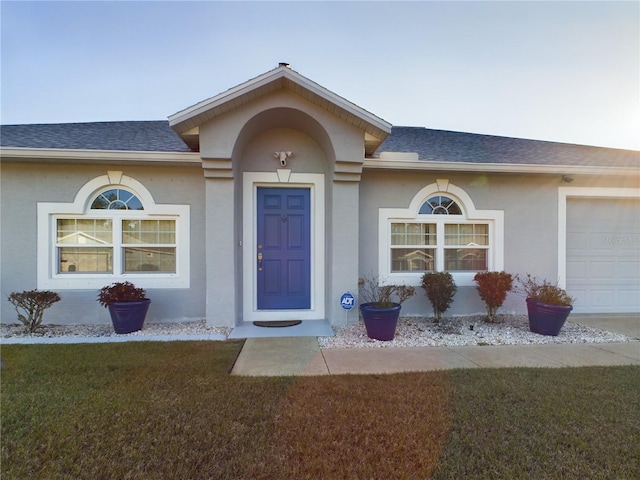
point(430, 145)
point(447, 146)
point(153, 136)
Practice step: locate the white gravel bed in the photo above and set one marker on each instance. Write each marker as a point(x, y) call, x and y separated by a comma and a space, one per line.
point(470, 330)
point(169, 331)
point(411, 332)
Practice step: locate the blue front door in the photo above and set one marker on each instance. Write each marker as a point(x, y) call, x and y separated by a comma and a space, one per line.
point(283, 248)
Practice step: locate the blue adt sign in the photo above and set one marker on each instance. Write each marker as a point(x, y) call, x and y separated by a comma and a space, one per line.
point(347, 301)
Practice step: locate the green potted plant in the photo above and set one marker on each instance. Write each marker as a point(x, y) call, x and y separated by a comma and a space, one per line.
point(492, 288)
point(31, 305)
point(380, 306)
point(127, 304)
point(440, 289)
point(548, 305)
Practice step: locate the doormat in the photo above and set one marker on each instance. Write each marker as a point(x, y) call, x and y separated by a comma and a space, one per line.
point(283, 323)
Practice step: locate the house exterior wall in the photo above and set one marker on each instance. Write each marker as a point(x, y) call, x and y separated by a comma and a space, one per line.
point(529, 203)
point(240, 141)
point(238, 133)
point(23, 185)
point(223, 135)
point(243, 141)
point(219, 282)
point(530, 206)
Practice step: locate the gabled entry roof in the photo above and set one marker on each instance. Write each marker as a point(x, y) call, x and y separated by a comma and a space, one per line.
point(187, 121)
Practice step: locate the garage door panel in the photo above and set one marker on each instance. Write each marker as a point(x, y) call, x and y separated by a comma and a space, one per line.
point(629, 271)
point(598, 243)
point(578, 270)
point(602, 270)
point(602, 298)
point(605, 300)
point(603, 254)
point(579, 240)
point(628, 298)
point(579, 295)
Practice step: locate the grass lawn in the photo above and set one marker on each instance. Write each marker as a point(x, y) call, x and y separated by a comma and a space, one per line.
point(171, 410)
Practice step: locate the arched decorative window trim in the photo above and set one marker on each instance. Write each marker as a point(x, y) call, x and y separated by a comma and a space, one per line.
point(50, 213)
point(113, 179)
point(386, 216)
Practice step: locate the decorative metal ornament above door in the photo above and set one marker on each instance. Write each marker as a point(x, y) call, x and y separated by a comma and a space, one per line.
point(282, 156)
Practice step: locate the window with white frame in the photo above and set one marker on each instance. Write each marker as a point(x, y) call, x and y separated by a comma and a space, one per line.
point(440, 231)
point(113, 232)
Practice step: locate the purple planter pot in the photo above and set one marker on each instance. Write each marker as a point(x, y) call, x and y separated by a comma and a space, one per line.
point(380, 322)
point(546, 319)
point(128, 317)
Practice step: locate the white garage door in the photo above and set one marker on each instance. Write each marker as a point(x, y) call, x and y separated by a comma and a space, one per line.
point(603, 254)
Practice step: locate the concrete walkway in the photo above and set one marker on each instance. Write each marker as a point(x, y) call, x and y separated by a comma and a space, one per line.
point(303, 356)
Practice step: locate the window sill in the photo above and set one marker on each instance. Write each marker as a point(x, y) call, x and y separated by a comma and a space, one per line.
point(462, 279)
point(90, 282)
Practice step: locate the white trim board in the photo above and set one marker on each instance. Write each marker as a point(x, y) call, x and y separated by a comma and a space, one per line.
point(409, 161)
point(23, 154)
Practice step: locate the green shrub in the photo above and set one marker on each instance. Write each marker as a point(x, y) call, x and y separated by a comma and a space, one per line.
point(493, 288)
point(31, 306)
point(440, 289)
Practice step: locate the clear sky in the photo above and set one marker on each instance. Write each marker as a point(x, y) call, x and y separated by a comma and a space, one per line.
point(559, 71)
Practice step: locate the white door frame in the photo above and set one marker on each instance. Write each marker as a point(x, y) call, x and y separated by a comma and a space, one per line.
point(282, 178)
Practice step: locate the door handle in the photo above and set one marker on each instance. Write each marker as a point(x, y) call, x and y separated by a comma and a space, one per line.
point(259, 261)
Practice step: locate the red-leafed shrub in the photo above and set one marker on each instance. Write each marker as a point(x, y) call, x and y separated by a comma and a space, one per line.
point(493, 288)
point(120, 292)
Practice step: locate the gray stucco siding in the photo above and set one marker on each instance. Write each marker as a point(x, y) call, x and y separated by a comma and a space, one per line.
point(234, 136)
point(530, 206)
point(25, 184)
